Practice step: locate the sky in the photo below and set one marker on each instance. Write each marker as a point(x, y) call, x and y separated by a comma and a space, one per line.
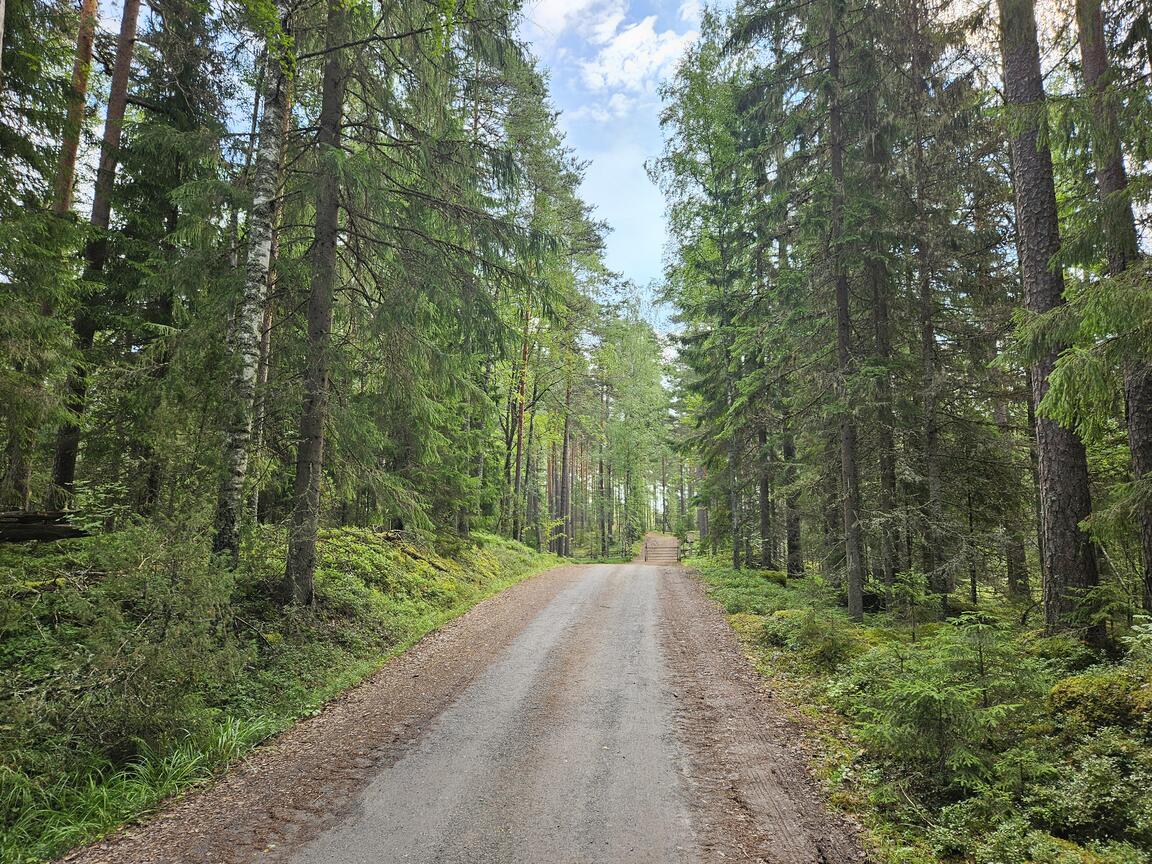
point(605, 60)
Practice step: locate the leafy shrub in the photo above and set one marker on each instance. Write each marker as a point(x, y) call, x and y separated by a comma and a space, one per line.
point(824, 639)
point(135, 665)
point(1104, 791)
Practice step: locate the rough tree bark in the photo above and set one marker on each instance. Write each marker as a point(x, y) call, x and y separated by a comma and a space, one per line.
point(247, 334)
point(300, 567)
point(63, 486)
point(1065, 500)
point(1123, 248)
point(74, 122)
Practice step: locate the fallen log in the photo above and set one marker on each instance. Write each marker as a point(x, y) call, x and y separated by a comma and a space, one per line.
point(20, 526)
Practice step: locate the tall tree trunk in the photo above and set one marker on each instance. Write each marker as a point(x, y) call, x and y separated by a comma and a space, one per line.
point(521, 397)
point(95, 254)
point(532, 517)
point(1065, 499)
point(764, 496)
point(603, 502)
point(734, 498)
point(885, 422)
point(565, 473)
point(248, 332)
point(850, 474)
point(1123, 247)
point(1015, 557)
point(24, 421)
point(701, 508)
point(74, 123)
point(664, 492)
point(301, 562)
point(793, 551)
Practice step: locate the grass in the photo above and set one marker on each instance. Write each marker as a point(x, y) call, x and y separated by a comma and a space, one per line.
point(140, 670)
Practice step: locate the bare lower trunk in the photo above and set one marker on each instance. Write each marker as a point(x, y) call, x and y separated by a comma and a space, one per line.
point(1123, 250)
point(248, 332)
point(95, 254)
point(301, 561)
point(521, 397)
point(1065, 500)
point(701, 511)
point(793, 550)
point(565, 474)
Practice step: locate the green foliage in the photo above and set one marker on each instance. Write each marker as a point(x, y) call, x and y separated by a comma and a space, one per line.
point(971, 739)
point(138, 667)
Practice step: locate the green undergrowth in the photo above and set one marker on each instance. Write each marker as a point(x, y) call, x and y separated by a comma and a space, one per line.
point(135, 667)
point(971, 739)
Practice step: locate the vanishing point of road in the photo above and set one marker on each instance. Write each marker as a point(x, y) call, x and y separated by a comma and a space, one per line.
point(597, 714)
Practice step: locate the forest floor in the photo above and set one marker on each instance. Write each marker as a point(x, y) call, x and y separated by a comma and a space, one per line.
point(599, 713)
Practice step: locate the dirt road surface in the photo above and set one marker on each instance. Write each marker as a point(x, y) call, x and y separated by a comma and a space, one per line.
point(601, 714)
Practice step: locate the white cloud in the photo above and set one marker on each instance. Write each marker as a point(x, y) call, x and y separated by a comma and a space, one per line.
point(620, 104)
point(635, 58)
point(691, 12)
point(597, 20)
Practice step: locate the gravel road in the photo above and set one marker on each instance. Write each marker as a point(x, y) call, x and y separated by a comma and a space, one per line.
point(562, 751)
point(593, 715)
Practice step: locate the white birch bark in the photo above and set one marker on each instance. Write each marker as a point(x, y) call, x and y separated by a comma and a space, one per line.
point(246, 334)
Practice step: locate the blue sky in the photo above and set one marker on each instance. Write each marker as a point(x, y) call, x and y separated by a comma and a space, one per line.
point(606, 59)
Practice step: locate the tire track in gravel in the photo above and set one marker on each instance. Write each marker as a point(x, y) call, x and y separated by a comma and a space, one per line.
point(590, 715)
point(750, 775)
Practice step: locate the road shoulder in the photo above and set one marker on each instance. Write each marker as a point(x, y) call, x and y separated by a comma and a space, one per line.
point(309, 777)
point(747, 770)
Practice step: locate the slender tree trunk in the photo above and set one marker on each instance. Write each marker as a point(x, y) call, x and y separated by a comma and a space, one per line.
point(764, 494)
point(734, 498)
point(264, 366)
point(886, 422)
point(248, 332)
point(521, 396)
point(1015, 557)
point(701, 510)
point(1123, 247)
point(1065, 499)
point(74, 123)
point(301, 563)
point(532, 517)
point(793, 550)
point(664, 492)
point(565, 476)
point(934, 509)
point(850, 473)
point(63, 486)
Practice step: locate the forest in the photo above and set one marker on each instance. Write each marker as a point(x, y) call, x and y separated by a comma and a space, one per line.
point(295, 298)
point(908, 254)
point(309, 344)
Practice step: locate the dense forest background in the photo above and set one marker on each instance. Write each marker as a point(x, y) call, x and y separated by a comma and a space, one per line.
point(304, 325)
point(308, 343)
point(909, 258)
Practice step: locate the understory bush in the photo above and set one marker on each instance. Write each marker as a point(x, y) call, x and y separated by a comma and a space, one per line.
point(968, 739)
point(135, 665)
